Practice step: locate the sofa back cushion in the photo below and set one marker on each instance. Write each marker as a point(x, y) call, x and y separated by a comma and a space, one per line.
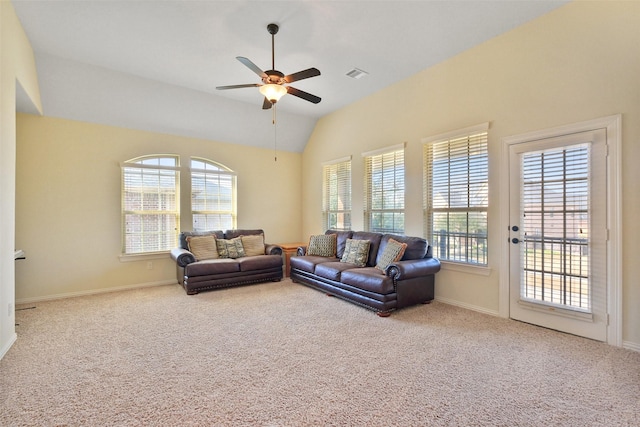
point(341, 240)
point(182, 238)
point(232, 234)
point(416, 246)
point(374, 246)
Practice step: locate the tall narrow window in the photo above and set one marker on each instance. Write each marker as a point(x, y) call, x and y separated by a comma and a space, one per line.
point(384, 190)
point(150, 204)
point(213, 196)
point(336, 194)
point(456, 178)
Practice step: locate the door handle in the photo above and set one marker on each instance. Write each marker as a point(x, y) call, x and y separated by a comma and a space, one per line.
point(515, 241)
point(515, 228)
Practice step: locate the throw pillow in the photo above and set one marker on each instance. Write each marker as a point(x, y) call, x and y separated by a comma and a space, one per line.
point(323, 245)
point(253, 244)
point(202, 247)
point(230, 248)
point(392, 252)
point(356, 252)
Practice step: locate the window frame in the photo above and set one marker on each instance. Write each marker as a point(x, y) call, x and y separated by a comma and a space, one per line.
point(374, 164)
point(476, 138)
point(217, 170)
point(170, 237)
point(337, 187)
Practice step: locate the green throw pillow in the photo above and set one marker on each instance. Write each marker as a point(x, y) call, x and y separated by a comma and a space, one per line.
point(230, 248)
point(323, 245)
point(392, 252)
point(356, 252)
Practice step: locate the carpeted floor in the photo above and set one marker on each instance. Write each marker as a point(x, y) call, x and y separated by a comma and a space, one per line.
point(281, 354)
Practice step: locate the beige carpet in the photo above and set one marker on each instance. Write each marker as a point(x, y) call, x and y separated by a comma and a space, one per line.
point(281, 354)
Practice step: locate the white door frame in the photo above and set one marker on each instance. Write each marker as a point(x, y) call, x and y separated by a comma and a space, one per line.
point(613, 126)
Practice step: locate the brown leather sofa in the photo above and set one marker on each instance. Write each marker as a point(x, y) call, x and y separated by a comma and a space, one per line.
point(208, 274)
point(403, 283)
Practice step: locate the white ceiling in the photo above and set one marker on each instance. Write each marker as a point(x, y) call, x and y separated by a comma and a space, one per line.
point(154, 65)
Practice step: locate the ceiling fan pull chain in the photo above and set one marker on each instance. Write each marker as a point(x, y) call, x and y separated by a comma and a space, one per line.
point(275, 135)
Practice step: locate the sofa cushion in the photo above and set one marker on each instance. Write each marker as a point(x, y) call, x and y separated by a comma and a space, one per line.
point(203, 247)
point(369, 279)
point(219, 234)
point(332, 270)
point(416, 246)
point(356, 252)
point(374, 238)
point(259, 262)
point(212, 266)
point(232, 234)
point(322, 245)
point(308, 263)
point(230, 248)
point(253, 244)
point(341, 240)
point(391, 253)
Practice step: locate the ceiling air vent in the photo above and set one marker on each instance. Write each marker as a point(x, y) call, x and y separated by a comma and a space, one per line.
point(357, 73)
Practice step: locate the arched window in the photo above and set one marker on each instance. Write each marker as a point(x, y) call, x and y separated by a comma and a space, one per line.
point(213, 195)
point(151, 202)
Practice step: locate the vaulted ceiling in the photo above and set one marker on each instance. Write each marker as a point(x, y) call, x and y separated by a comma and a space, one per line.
point(154, 65)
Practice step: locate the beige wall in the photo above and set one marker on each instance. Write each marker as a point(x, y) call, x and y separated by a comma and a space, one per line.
point(68, 202)
point(577, 63)
point(16, 63)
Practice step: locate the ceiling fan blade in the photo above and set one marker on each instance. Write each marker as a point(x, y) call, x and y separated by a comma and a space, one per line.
point(238, 86)
point(253, 67)
point(300, 75)
point(266, 104)
point(304, 95)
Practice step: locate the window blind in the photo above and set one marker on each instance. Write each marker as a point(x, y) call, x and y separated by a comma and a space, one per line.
point(336, 195)
point(555, 211)
point(384, 192)
point(150, 204)
point(213, 196)
point(456, 182)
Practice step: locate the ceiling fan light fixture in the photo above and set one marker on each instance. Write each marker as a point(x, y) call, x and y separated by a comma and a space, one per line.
point(273, 92)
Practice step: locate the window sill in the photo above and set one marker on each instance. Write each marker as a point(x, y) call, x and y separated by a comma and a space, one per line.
point(465, 268)
point(142, 257)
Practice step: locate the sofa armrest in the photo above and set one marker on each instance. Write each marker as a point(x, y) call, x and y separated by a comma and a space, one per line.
point(402, 270)
point(272, 249)
point(182, 256)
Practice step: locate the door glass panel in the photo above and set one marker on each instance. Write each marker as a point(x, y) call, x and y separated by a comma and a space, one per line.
point(555, 246)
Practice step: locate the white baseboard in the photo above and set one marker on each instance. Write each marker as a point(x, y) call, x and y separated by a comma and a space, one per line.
point(468, 306)
point(7, 346)
point(94, 291)
point(631, 346)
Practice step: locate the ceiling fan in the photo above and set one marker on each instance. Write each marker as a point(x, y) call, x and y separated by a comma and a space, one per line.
point(275, 84)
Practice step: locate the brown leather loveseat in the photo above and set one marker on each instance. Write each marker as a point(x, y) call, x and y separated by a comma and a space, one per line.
point(216, 259)
point(381, 272)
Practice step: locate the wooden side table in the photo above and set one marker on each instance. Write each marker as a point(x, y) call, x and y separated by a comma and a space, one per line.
point(289, 249)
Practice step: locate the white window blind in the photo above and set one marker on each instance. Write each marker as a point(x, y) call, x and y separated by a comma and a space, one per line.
point(336, 195)
point(555, 214)
point(384, 191)
point(456, 182)
point(213, 196)
point(150, 204)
